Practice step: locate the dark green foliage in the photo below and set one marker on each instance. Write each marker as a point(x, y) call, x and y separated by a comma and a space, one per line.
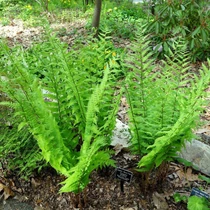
point(187, 19)
point(20, 152)
point(71, 111)
point(165, 103)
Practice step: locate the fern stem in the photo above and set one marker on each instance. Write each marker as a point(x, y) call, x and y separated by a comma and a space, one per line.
point(133, 119)
point(142, 85)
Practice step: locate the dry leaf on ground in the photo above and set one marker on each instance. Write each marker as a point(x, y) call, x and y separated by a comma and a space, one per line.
point(160, 201)
point(7, 192)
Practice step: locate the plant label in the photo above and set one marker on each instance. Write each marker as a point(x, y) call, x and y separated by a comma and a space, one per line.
point(124, 175)
point(199, 193)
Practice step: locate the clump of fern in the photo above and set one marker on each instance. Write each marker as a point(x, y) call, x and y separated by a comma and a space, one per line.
point(165, 102)
point(71, 111)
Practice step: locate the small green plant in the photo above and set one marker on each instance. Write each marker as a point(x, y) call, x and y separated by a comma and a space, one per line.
point(197, 203)
point(193, 202)
point(4, 21)
point(71, 111)
point(119, 23)
point(178, 198)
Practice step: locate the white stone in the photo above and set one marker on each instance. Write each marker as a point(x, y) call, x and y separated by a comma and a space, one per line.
point(121, 134)
point(198, 154)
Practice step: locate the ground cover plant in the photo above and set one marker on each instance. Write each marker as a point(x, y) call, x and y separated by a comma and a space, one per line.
point(122, 19)
point(63, 101)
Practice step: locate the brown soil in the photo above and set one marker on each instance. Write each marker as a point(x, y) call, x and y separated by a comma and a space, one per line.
point(104, 191)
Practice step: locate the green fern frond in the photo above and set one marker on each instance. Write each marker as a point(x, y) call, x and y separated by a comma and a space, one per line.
point(160, 98)
point(166, 146)
point(91, 157)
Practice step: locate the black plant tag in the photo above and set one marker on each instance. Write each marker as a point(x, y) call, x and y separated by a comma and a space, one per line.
point(124, 175)
point(199, 193)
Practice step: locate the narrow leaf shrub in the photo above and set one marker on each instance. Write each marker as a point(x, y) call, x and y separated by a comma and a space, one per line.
point(70, 111)
point(165, 102)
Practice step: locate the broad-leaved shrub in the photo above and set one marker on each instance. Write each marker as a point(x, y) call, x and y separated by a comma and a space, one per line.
point(187, 19)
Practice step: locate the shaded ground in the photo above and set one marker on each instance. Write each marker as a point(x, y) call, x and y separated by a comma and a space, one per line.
point(103, 192)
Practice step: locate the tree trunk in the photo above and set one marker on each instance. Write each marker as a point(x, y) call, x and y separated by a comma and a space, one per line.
point(46, 6)
point(96, 16)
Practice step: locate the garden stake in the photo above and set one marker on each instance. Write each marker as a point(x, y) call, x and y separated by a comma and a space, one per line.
point(122, 186)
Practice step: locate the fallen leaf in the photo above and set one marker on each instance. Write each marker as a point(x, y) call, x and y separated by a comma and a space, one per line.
point(181, 174)
point(160, 201)
point(128, 156)
point(7, 191)
point(190, 176)
point(34, 183)
point(124, 102)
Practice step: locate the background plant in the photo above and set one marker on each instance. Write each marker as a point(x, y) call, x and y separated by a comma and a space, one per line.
point(69, 114)
point(121, 19)
point(19, 152)
point(186, 19)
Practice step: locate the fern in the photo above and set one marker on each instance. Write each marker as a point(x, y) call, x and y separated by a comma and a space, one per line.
point(164, 103)
point(165, 147)
point(90, 156)
point(69, 115)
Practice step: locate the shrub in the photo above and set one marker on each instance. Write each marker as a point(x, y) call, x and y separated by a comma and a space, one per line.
point(186, 19)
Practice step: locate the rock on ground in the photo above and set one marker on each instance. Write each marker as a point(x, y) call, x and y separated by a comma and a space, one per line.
point(197, 153)
point(121, 134)
point(13, 204)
